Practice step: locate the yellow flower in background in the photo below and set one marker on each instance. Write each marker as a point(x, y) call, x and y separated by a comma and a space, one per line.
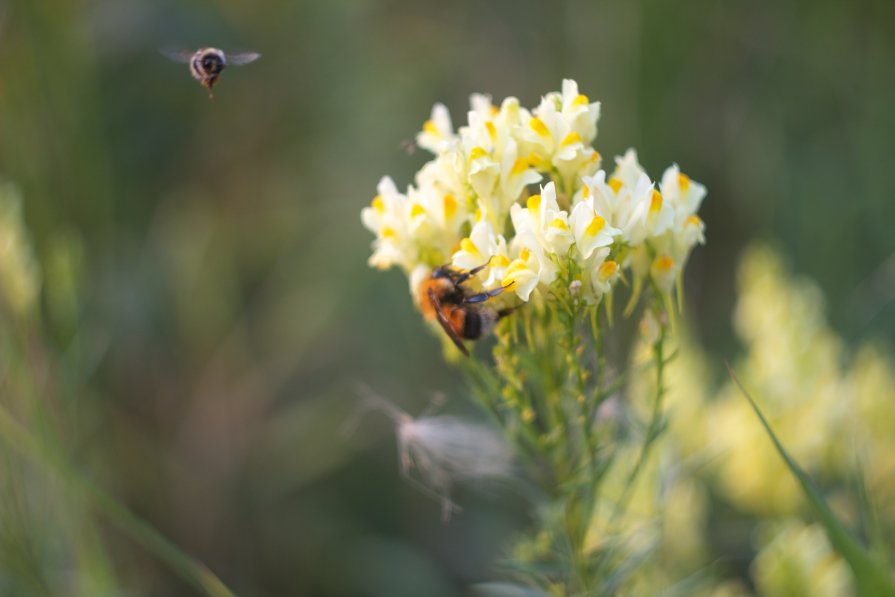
point(797, 559)
point(834, 415)
point(19, 273)
point(872, 378)
point(793, 364)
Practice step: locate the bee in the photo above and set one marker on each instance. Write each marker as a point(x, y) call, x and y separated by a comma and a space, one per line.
point(207, 64)
point(460, 311)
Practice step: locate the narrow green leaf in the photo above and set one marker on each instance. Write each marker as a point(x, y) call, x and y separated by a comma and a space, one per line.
point(871, 577)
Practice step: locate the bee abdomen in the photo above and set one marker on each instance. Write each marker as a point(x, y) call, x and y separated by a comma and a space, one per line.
point(478, 323)
point(472, 325)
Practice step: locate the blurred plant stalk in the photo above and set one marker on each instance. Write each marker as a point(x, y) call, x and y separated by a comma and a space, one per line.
point(51, 541)
point(558, 400)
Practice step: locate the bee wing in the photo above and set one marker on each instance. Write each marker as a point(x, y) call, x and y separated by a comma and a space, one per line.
point(243, 58)
point(445, 324)
point(177, 55)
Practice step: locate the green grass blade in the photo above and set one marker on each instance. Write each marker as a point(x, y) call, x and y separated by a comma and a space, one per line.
point(871, 577)
point(192, 571)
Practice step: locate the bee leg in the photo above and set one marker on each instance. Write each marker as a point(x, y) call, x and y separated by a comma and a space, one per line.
point(208, 83)
point(445, 324)
point(484, 296)
point(466, 275)
point(504, 312)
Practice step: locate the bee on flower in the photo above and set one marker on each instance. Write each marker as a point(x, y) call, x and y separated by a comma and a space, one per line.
point(514, 228)
point(474, 203)
point(483, 245)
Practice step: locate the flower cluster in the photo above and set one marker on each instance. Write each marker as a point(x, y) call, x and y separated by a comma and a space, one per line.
point(522, 190)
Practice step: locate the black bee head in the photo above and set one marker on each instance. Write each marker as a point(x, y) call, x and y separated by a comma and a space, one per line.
point(212, 63)
point(442, 272)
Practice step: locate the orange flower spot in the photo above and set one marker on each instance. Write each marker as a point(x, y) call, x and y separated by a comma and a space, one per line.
point(580, 100)
point(663, 264)
point(596, 224)
point(450, 206)
point(519, 166)
point(533, 203)
point(607, 270)
point(655, 203)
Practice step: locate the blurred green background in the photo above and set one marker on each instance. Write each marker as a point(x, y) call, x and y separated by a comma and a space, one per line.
point(206, 291)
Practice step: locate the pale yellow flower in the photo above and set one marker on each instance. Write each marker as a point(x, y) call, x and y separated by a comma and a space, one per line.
point(529, 268)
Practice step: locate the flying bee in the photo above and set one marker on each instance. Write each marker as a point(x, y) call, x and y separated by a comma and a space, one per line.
point(459, 310)
point(207, 64)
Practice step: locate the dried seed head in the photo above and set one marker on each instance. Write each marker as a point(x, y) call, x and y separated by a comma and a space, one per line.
point(440, 450)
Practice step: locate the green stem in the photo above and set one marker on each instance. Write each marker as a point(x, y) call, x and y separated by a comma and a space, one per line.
point(652, 431)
